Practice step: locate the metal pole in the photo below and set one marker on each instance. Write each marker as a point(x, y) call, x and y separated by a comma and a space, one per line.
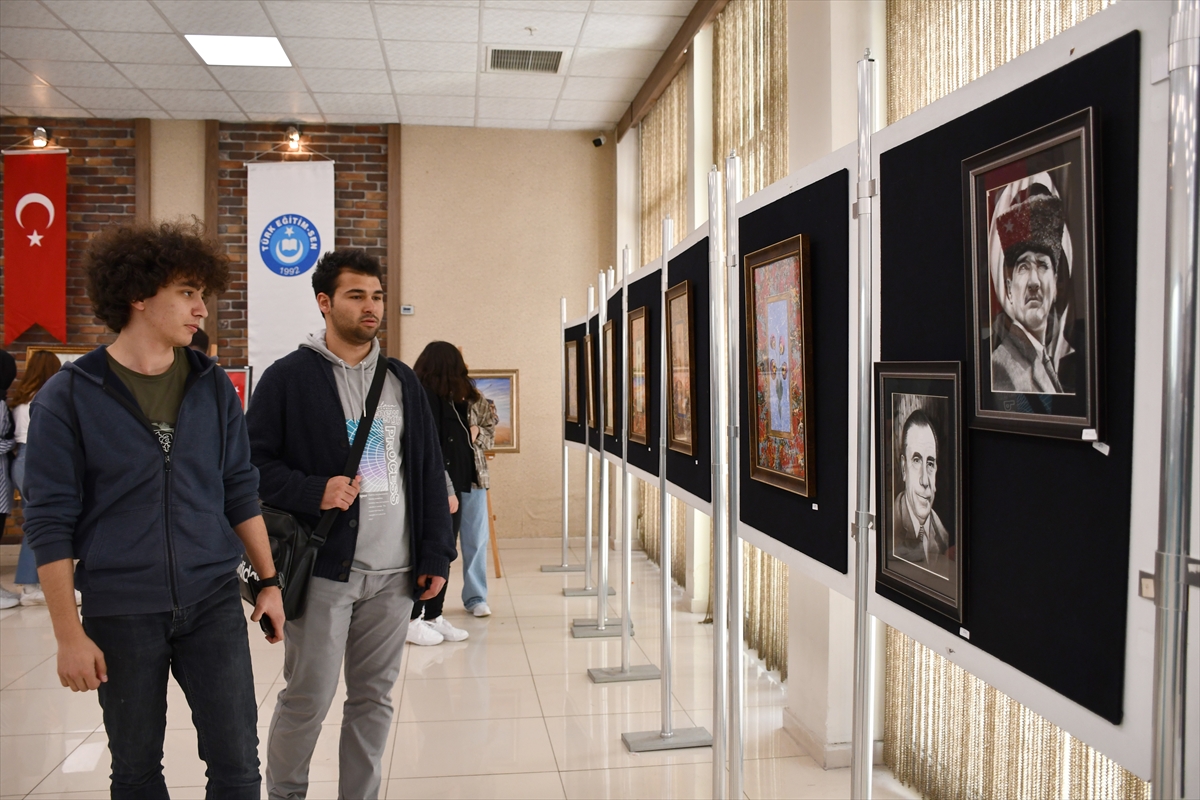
point(602, 580)
point(737, 675)
point(565, 566)
point(719, 414)
point(587, 432)
point(862, 752)
point(1178, 418)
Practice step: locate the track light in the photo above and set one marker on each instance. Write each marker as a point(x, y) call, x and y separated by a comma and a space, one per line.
point(293, 138)
point(40, 137)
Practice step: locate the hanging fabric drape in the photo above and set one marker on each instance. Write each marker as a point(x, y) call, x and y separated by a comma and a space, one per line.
point(663, 156)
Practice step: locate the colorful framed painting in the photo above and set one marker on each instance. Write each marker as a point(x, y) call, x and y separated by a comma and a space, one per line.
point(635, 382)
point(609, 381)
point(571, 354)
point(921, 544)
point(681, 356)
point(589, 361)
point(501, 388)
point(1029, 208)
point(779, 338)
point(240, 377)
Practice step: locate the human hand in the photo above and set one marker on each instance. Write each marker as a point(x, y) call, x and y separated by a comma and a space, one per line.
point(453, 503)
point(474, 432)
point(340, 492)
point(434, 584)
point(270, 605)
point(81, 664)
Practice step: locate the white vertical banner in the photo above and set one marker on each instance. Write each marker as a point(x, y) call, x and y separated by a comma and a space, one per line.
point(290, 222)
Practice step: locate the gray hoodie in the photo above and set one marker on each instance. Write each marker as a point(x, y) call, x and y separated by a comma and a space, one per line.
point(383, 534)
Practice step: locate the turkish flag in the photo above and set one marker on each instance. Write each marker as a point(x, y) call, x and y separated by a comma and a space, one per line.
point(35, 243)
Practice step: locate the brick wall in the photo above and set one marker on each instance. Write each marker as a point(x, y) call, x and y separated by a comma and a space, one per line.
point(360, 203)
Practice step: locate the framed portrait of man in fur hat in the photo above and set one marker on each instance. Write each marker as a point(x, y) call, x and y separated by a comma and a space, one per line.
point(1031, 248)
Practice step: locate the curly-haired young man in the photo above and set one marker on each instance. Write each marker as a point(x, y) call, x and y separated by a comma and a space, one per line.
point(139, 467)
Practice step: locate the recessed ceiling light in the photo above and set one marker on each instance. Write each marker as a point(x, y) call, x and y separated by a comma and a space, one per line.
point(239, 51)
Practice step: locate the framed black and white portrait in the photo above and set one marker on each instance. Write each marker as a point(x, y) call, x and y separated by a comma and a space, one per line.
point(1029, 207)
point(919, 454)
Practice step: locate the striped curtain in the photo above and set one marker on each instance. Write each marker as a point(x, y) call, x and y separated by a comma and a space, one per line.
point(663, 153)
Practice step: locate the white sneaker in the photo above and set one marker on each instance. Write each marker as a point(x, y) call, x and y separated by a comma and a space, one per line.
point(33, 596)
point(481, 610)
point(9, 599)
point(422, 633)
point(448, 631)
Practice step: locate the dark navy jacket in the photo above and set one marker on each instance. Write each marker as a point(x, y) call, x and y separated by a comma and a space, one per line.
point(298, 441)
point(151, 533)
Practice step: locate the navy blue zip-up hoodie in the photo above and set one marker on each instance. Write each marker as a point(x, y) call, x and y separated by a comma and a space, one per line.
point(151, 534)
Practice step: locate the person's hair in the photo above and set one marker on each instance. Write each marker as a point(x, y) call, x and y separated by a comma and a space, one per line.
point(441, 370)
point(918, 417)
point(42, 365)
point(128, 263)
point(200, 341)
point(333, 263)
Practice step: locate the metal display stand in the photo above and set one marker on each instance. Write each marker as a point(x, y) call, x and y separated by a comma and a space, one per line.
point(625, 672)
point(566, 565)
point(668, 738)
point(588, 588)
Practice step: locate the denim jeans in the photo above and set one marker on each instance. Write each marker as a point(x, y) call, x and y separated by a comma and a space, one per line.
point(474, 539)
point(26, 563)
point(206, 647)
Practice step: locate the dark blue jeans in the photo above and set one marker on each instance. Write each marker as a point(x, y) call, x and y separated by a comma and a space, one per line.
point(206, 647)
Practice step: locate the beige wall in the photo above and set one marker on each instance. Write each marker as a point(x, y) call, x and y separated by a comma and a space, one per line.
point(497, 225)
point(176, 168)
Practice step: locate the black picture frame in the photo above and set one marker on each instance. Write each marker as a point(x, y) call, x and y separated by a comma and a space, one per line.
point(918, 409)
point(1030, 228)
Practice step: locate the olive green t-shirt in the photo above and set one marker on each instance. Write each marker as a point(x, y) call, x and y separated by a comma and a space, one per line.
point(158, 395)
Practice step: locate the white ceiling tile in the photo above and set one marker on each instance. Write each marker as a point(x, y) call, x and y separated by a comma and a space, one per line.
point(271, 116)
point(259, 79)
point(439, 3)
point(76, 73)
point(442, 122)
point(580, 6)
point(96, 98)
point(523, 124)
point(602, 89)
point(12, 72)
point(550, 28)
point(588, 110)
point(498, 84)
point(133, 113)
point(576, 125)
point(434, 106)
point(44, 44)
point(280, 102)
point(362, 81)
point(38, 111)
point(438, 56)
point(191, 100)
point(629, 30)
point(168, 76)
point(666, 8)
point(111, 15)
point(28, 14)
point(455, 84)
point(142, 48)
point(334, 53)
point(217, 17)
point(32, 97)
point(608, 63)
point(330, 20)
point(419, 23)
point(515, 108)
point(362, 119)
point(369, 104)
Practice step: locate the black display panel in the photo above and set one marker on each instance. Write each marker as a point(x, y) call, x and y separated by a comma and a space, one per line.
point(817, 526)
point(694, 472)
point(612, 442)
point(647, 293)
point(1048, 519)
point(573, 431)
point(593, 431)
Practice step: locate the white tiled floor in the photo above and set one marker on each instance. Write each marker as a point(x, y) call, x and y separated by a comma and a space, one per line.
point(509, 713)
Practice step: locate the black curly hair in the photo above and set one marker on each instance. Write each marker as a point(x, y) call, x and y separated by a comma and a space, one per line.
point(331, 265)
point(128, 263)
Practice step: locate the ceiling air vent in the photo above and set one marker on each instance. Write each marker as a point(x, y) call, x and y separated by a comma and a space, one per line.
point(543, 61)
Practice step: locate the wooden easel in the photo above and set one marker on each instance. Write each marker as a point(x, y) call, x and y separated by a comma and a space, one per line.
point(492, 530)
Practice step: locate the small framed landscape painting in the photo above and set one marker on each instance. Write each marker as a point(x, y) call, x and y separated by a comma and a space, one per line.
point(571, 353)
point(500, 387)
point(609, 381)
point(589, 362)
point(681, 392)
point(779, 339)
point(635, 382)
point(920, 543)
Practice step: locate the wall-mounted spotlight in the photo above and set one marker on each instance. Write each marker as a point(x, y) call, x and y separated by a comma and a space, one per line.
point(40, 137)
point(293, 138)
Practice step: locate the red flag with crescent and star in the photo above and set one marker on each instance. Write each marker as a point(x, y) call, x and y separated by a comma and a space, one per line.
point(35, 243)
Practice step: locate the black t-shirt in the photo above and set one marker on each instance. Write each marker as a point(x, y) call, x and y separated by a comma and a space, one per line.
point(158, 395)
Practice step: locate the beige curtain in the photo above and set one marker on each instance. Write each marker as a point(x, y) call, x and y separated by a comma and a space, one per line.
point(765, 607)
point(663, 153)
point(750, 112)
point(648, 530)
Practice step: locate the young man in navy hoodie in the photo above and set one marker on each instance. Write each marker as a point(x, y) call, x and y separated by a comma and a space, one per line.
point(391, 541)
point(139, 467)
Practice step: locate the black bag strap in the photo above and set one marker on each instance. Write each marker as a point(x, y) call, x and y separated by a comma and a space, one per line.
point(356, 449)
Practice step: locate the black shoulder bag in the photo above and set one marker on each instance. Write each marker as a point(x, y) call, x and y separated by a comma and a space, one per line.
point(294, 544)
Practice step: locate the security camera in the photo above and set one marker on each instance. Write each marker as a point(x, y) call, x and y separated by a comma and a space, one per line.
point(599, 140)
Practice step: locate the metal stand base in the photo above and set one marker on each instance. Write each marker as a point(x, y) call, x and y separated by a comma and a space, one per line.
point(586, 592)
point(561, 568)
point(649, 741)
point(642, 672)
point(590, 622)
point(612, 631)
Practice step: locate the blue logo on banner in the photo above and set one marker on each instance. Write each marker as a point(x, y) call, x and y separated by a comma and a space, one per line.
point(290, 245)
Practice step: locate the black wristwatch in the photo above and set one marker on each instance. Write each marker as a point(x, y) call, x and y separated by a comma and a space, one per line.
point(274, 580)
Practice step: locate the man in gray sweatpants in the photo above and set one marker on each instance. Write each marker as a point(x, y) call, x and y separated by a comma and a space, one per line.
point(392, 540)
